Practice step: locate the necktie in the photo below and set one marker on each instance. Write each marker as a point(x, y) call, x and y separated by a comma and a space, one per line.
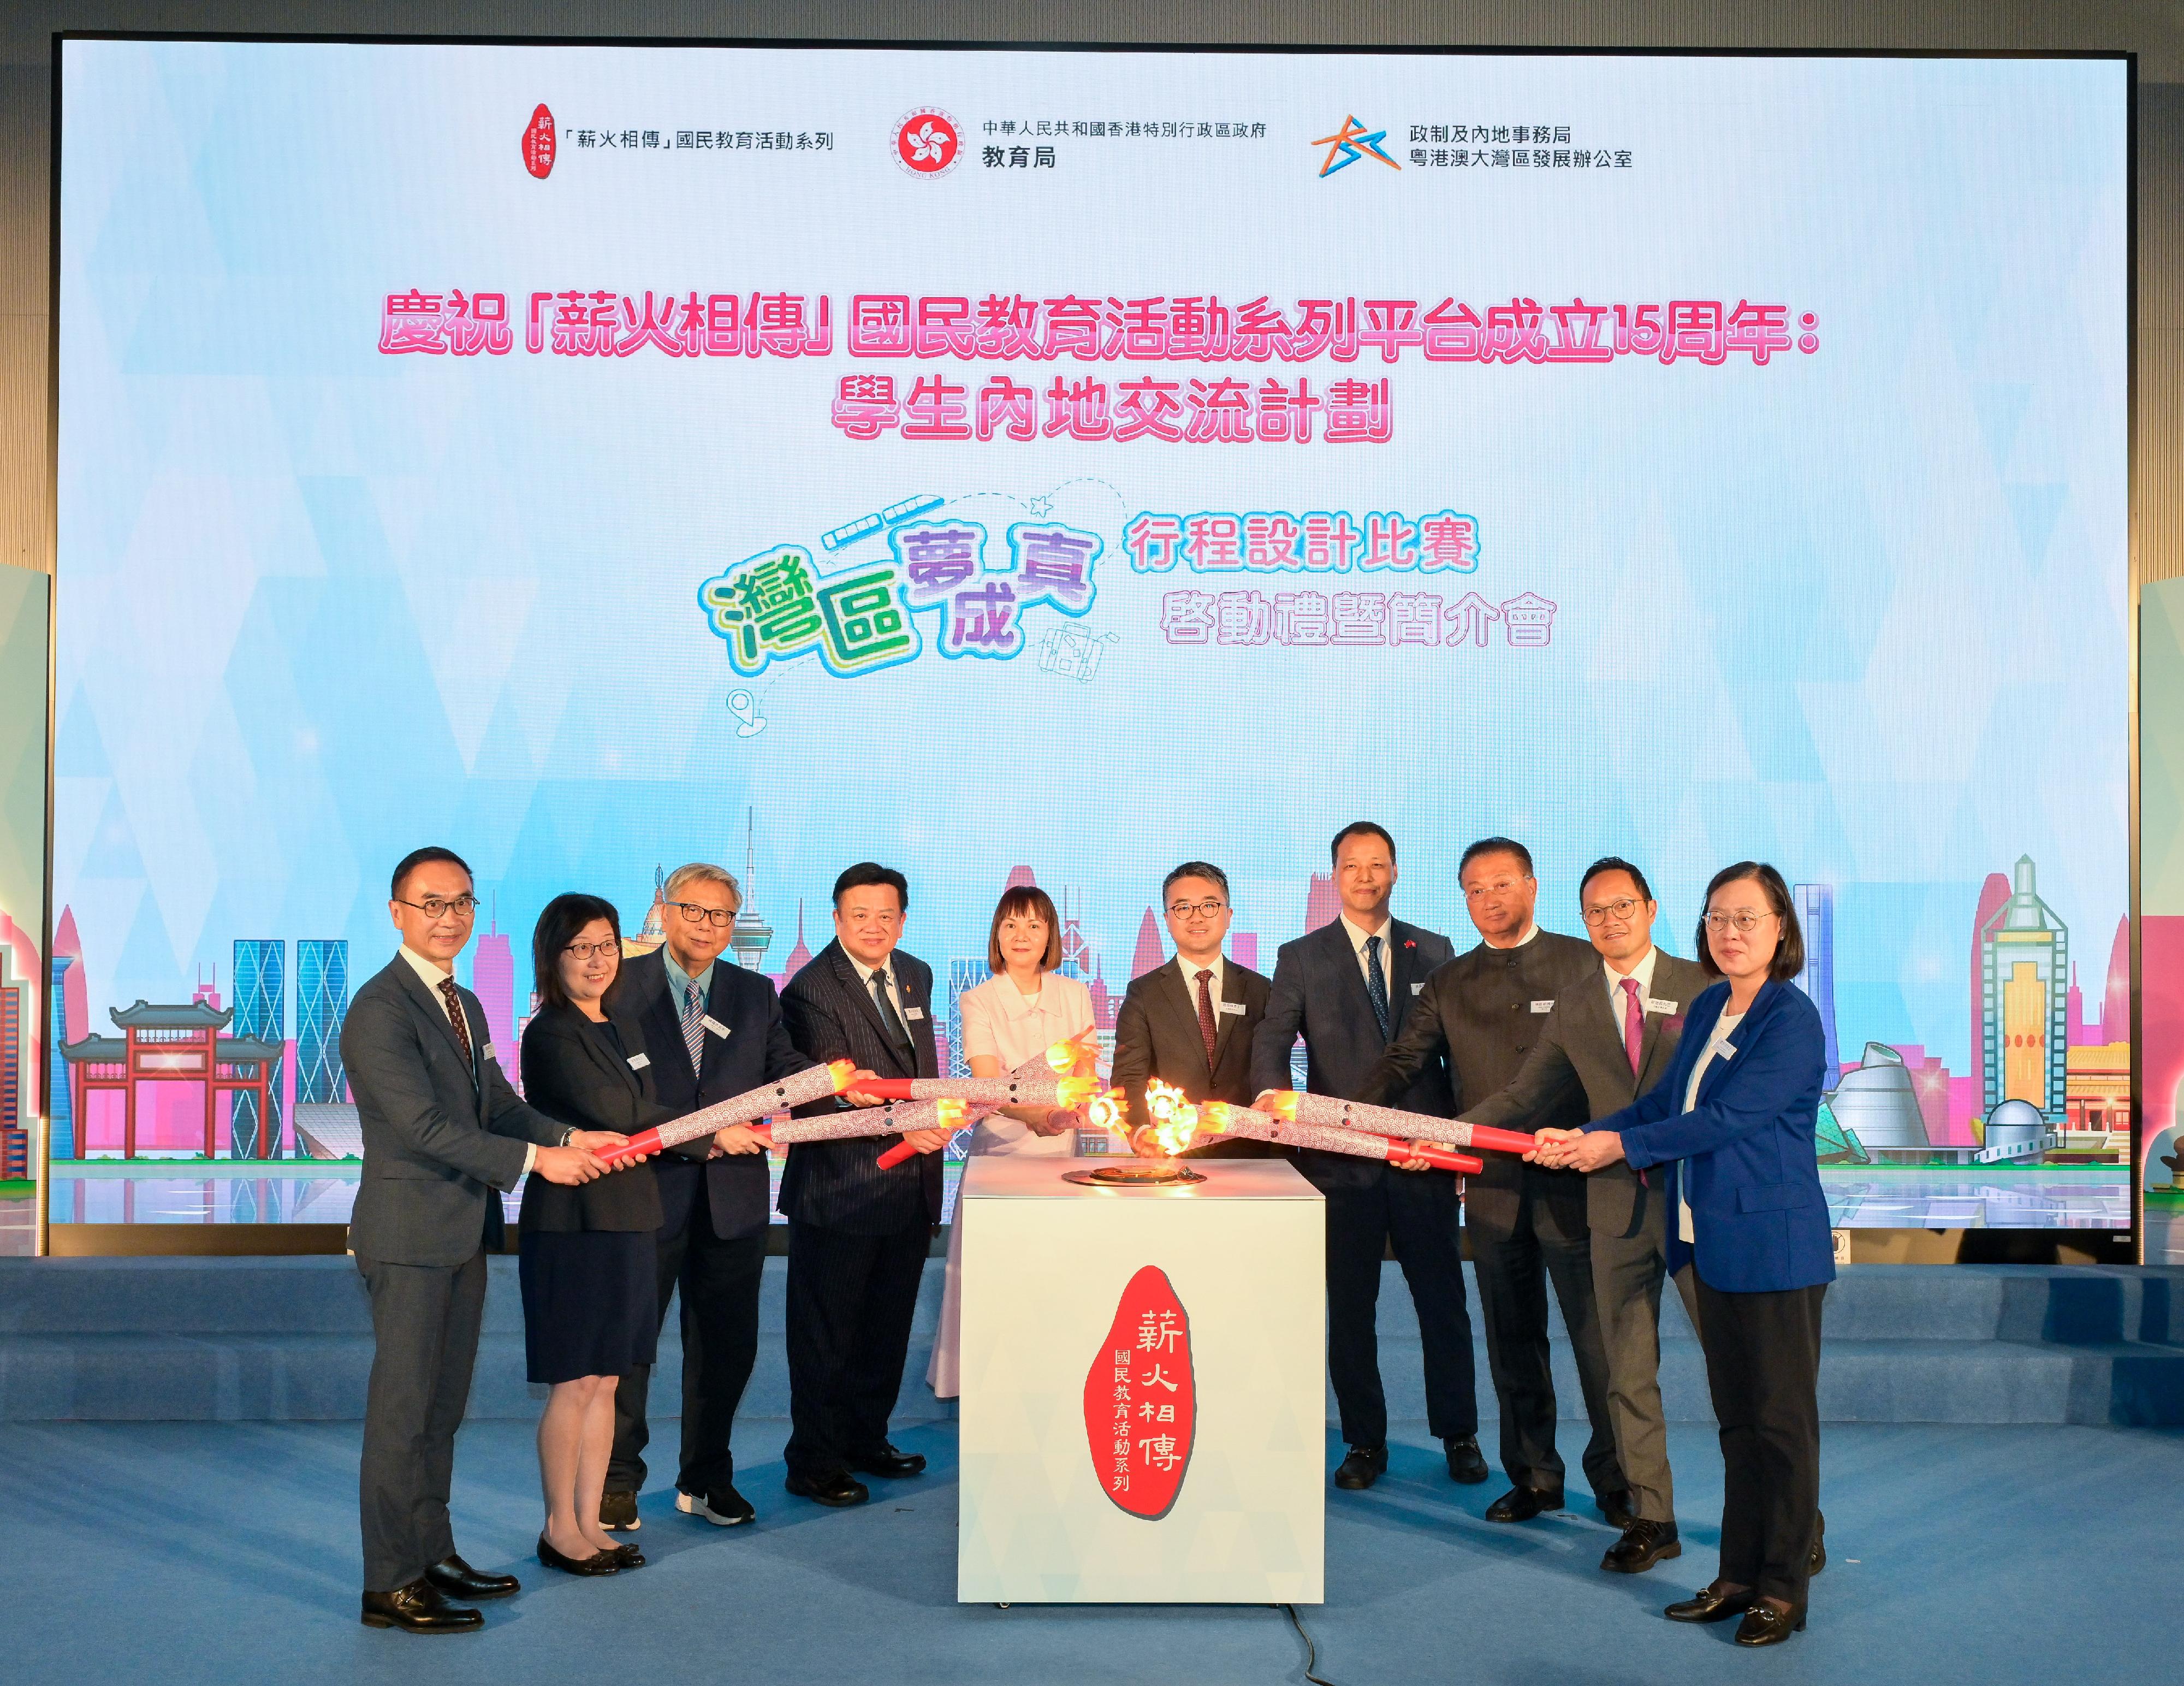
point(1205, 1018)
point(892, 1019)
point(1376, 984)
point(458, 1022)
point(1634, 1022)
point(694, 1025)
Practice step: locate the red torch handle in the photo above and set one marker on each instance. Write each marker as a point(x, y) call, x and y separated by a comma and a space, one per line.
point(644, 1142)
point(901, 1150)
point(888, 1088)
point(1440, 1159)
point(1503, 1141)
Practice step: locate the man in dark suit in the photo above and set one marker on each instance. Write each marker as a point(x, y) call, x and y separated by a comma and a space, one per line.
point(1484, 1009)
point(1190, 1022)
point(443, 1133)
point(712, 1030)
point(1348, 988)
point(1613, 1040)
point(857, 1235)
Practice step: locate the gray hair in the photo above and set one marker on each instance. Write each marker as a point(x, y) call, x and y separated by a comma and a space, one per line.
point(701, 871)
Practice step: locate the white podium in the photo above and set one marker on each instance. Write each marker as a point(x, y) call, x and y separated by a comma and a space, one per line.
point(1143, 1387)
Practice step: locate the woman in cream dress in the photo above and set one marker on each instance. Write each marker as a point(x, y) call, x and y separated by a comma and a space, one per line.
point(1017, 1014)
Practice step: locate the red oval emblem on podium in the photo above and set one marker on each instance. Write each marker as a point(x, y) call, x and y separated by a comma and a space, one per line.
point(1141, 1400)
point(538, 143)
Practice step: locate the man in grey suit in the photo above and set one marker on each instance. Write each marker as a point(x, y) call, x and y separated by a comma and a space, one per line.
point(1347, 988)
point(1612, 1041)
point(443, 1131)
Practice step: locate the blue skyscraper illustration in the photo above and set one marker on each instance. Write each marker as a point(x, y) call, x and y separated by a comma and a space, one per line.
point(322, 1002)
point(1816, 919)
point(260, 1012)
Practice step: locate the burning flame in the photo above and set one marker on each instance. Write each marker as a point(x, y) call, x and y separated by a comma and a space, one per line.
point(843, 1071)
point(1074, 1055)
point(1073, 1094)
point(950, 1114)
point(1281, 1103)
point(1171, 1120)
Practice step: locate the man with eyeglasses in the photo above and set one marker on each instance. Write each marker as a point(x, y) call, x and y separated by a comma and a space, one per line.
point(1614, 1041)
point(1486, 1009)
point(443, 1135)
point(712, 1030)
point(1190, 1022)
point(857, 1234)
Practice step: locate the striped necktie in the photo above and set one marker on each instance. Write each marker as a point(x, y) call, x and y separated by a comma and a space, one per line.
point(693, 1026)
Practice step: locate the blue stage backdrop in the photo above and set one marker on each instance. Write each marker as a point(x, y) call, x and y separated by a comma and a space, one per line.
point(1065, 464)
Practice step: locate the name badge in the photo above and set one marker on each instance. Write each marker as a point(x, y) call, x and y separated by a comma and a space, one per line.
point(913, 1013)
point(1417, 989)
point(1232, 1006)
point(638, 1061)
point(714, 1024)
point(488, 1051)
point(1654, 1005)
point(1725, 1051)
point(1543, 1007)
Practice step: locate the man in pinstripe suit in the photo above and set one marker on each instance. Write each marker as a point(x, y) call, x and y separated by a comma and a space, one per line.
point(857, 1235)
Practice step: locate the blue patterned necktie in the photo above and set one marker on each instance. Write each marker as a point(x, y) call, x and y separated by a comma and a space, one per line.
point(693, 1026)
point(1376, 983)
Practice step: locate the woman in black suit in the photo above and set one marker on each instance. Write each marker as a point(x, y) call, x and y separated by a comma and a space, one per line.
point(590, 1310)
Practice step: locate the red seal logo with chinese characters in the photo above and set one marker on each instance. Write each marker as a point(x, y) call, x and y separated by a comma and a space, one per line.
point(927, 142)
point(538, 143)
point(1141, 1400)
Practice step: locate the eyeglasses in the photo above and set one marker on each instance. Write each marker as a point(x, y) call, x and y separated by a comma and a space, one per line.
point(585, 950)
point(1622, 909)
point(698, 915)
point(1744, 919)
point(440, 906)
point(1205, 910)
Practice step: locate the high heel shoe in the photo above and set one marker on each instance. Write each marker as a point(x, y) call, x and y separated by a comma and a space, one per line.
point(599, 1563)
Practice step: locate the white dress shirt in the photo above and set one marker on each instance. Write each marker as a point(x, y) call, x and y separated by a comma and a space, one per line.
point(1643, 972)
point(893, 985)
point(1358, 936)
point(1191, 968)
point(1003, 1024)
point(1724, 1028)
point(432, 974)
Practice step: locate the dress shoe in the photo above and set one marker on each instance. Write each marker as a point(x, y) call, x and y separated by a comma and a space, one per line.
point(1818, 1559)
point(1522, 1503)
point(1363, 1466)
point(1765, 1625)
point(836, 1490)
point(1715, 1603)
point(456, 1578)
point(721, 1506)
point(887, 1461)
point(599, 1563)
point(628, 1556)
point(618, 1513)
point(418, 1608)
point(1464, 1463)
point(1643, 1544)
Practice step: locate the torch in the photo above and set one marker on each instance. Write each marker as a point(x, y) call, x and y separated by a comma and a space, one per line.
point(941, 1113)
point(1222, 1119)
point(1042, 1080)
point(815, 1085)
point(1326, 1110)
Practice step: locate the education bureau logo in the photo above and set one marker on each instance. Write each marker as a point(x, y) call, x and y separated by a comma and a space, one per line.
point(1141, 1400)
point(1351, 142)
point(538, 143)
point(927, 142)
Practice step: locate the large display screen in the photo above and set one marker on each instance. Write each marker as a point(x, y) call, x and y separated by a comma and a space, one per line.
point(1072, 463)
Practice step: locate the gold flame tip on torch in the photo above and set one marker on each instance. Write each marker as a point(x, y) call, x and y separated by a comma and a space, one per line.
point(1281, 1103)
point(843, 1071)
point(951, 1113)
point(1074, 1093)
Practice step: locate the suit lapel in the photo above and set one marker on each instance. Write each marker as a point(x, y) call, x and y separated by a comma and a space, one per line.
point(846, 973)
point(437, 1011)
point(603, 1055)
point(1183, 998)
point(1225, 1024)
point(1598, 1013)
point(1347, 957)
point(1649, 1057)
point(1755, 1019)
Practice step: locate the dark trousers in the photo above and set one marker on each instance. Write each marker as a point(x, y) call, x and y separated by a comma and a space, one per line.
point(425, 1320)
point(1513, 1270)
point(1417, 1215)
point(1763, 1354)
point(719, 1282)
point(851, 1298)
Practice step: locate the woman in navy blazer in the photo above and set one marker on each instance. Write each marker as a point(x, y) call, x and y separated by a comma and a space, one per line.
point(1732, 1122)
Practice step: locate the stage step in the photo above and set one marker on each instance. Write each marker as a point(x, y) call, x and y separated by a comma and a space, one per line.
point(290, 1339)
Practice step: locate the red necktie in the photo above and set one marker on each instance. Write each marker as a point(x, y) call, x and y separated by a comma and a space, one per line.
point(1205, 1018)
point(1634, 1023)
point(456, 1022)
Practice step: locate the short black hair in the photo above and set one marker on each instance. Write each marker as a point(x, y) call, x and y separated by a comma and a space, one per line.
point(563, 918)
point(872, 872)
point(425, 857)
point(1614, 864)
point(1360, 828)
point(1205, 869)
point(1495, 846)
point(1790, 952)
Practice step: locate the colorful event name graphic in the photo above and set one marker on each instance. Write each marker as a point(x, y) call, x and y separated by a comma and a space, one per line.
point(1355, 618)
point(773, 606)
point(1219, 541)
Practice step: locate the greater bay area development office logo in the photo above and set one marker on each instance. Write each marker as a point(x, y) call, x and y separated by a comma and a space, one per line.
point(1348, 144)
point(928, 142)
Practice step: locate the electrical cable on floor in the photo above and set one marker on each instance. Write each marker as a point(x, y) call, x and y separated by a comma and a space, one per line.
point(1310, 1650)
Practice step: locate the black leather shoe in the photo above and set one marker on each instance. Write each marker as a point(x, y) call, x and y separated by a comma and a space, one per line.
point(618, 1513)
point(1818, 1559)
point(1765, 1625)
point(456, 1578)
point(887, 1461)
point(1522, 1503)
point(1363, 1466)
point(837, 1490)
point(722, 1506)
point(1716, 1603)
point(628, 1556)
point(599, 1563)
point(1464, 1463)
point(1643, 1544)
point(1617, 1508)
point(418, 1608)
